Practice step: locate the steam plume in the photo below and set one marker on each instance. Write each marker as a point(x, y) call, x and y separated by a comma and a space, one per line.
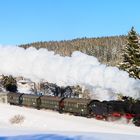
point(103, 81)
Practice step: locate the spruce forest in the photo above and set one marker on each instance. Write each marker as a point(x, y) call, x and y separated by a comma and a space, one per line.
point(108, 50)
point(120, 51)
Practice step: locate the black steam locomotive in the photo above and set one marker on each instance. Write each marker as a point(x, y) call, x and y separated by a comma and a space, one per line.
point(83, 107)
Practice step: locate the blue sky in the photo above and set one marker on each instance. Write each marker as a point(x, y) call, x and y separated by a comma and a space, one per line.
point(25, 21)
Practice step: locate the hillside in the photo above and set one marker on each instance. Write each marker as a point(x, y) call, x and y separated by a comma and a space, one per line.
point(107, 49)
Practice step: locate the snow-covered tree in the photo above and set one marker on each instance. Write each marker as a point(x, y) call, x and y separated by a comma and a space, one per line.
point(131, 56)
point(9, 83)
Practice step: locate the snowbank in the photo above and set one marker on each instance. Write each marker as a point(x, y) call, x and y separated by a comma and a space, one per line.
point(50, 125)
point(51, 121)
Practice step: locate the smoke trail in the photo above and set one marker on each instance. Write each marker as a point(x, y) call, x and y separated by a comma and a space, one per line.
point(103, 81)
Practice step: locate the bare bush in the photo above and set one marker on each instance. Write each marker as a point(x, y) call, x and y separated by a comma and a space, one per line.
point(17, 119)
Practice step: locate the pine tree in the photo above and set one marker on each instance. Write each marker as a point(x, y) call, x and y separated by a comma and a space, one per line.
point(9, 83)
point(131, 56)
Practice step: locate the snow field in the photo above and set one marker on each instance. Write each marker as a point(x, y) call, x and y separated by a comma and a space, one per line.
point(52, 121)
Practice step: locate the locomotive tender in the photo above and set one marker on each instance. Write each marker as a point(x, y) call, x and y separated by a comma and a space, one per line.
point(78, 106)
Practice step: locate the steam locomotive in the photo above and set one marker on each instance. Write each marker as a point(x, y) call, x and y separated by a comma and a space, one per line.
point(82, 107)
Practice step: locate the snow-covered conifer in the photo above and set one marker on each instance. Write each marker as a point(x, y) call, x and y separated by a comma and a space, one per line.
point(131, 56)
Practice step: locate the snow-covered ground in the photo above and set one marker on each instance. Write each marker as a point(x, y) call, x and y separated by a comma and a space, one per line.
point(42, 124)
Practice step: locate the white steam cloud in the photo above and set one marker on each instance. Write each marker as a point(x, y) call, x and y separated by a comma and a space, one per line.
point(103, 81)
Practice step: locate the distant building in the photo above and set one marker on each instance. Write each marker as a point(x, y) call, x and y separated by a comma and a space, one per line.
point(26, 86)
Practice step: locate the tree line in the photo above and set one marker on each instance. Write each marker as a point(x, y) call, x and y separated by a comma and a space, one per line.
point(121, 51)
point(107, 49)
